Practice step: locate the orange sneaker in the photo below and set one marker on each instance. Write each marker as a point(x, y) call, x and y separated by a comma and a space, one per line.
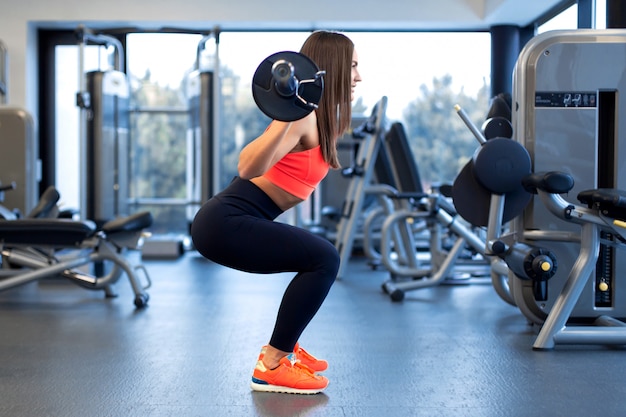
point(317, 365)
point(304, 357)
point(289, 377)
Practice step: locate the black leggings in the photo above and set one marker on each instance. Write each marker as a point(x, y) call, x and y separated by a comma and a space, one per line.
point(236, 228)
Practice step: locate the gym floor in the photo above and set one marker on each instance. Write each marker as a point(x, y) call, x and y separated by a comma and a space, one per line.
point(451, 350)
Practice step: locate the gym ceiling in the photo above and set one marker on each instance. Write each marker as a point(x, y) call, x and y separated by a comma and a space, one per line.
point(468, 14)
point(353, 15)
point(411, 15)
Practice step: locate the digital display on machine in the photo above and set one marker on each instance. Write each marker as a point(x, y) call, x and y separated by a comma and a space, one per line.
point(566, 99)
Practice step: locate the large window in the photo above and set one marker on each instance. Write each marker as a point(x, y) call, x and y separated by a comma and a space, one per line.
point(568, 19)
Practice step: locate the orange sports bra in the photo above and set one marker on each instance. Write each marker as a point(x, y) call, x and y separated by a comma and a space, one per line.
point(298, 173)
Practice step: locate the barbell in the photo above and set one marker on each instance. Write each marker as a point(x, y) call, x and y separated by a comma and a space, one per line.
point(287, 86)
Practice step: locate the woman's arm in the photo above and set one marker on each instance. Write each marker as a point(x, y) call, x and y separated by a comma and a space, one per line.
point(278, 140)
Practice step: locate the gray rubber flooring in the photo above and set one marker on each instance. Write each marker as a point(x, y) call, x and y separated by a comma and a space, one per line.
point(446, 351)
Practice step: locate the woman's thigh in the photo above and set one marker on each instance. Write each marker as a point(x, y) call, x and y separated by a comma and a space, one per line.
point(255, 244)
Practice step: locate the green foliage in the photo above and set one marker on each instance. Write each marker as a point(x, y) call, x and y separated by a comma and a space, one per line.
point(440, 141)
point(158, 152)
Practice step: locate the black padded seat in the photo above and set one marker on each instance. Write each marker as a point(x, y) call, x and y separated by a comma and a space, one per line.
point(132, 223)
point(401, 155)
point(49, 232)
point(611, 202)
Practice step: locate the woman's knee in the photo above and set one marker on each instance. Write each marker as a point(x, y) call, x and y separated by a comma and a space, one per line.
point(328, 257)
point(334, 260)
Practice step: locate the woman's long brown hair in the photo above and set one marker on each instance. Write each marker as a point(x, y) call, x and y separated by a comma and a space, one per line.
point(332, 52)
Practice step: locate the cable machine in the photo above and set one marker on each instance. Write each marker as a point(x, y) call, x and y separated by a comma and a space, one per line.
point(104, 132)
point(203, 153)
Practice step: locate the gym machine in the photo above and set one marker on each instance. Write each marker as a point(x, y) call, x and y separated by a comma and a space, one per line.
point(19, 151)
point(561, 252)
point(203, 154)
point(104, 141)
point(568, 115)
point(385, 169)
point(39, 245)
point(441, 218)
point(361, 179)
point(19, 158)
point(488, 193)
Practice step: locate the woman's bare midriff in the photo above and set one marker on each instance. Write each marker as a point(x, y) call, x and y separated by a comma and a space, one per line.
point(282, 198)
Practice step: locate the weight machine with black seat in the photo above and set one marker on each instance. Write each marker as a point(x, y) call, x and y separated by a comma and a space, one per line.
point(569, 101)
point(41, 245)
point(602, 220)
point(34, 243)
point(388, 185)
point(563, 255)
point(435, 209)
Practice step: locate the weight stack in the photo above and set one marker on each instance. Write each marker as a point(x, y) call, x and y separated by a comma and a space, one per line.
point(107, 145)
point(201, 167)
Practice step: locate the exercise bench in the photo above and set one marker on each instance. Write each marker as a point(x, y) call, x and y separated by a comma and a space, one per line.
point(37, 248)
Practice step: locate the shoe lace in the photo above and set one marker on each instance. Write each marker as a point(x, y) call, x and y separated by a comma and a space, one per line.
point(302, 352)
point(302, 368)
point(298, 366)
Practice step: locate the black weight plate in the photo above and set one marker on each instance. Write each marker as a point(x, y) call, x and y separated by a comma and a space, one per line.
point(472, 200)
point(277, 106)
point(500, 164)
